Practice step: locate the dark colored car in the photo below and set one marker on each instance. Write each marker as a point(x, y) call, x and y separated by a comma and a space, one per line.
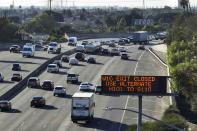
point(98, 90)
point(91, 60)
point(112, 44)
point(65, 58)
point(124, 56)
point(16, 67)
point(5, 105)
point(141, 47)
point(121, 42)
point(48, 85)
point(15, 49)
point(105, 51)
point(33, 82)
point(80, 56)
point(16, 77)
point(38, 101)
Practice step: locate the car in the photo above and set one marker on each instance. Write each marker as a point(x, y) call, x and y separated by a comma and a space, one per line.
point(45, 48)
point(65, 58)
point(107, 42)
point(15, 49)
point(5, 105)
point(121, 42)
point(114, 51)
point(16, 77)
point(141, 47)
point(16, 67)
point(80, 48)
point(122, 49)
point(80, 56)
point(48, 85)
point(105, 51)
point(72, 78)
point(126, 40)
point(52, 68)
point(1, 77)
point(73, 61)
point(33, 82)
point(124, 56)
point(38, 101)
point(91, 60)
point(84, 42)
point(112, 44)
point(98, 90)
point(59, 90)
point(84, 86)
point(58, 62)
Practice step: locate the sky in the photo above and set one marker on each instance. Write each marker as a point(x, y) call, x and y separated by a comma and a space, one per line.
point(127, 3)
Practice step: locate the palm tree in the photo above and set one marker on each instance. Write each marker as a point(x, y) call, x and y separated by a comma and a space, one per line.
point(185, 4)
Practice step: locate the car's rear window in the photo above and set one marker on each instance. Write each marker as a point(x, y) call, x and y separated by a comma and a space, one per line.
point(59, 88)
point(71, 75)
point(51, 66)
point(3, 102)
point(32, 80)
point(36, 98)
point(16, 74)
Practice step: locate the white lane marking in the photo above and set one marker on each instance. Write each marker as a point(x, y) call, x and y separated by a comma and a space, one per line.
point(128, 95)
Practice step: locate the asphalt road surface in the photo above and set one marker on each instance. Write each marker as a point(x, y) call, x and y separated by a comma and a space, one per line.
point(56, 114)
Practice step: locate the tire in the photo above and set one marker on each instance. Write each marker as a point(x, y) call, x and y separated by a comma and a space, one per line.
point(54, 94)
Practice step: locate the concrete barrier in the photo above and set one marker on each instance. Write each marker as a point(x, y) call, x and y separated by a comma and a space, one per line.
point(22, 84)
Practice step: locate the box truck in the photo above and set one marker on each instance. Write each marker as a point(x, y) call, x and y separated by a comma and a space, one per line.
point(82, 108)
point(140, 37)
point(72, 41)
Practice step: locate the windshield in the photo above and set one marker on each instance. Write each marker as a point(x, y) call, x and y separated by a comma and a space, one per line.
point(52, 44)
point(51, 66)
point(27, 49)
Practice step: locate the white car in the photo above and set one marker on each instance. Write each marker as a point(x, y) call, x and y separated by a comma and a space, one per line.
point(84, 86)
point(73, 61)
point(53, 68)
point(122, 49)
point(59, 90)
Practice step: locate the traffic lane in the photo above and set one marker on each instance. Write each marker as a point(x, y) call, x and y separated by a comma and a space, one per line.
point(31, 118)
point(36, 122)
point(151, 105)
point(27, 65)
point(105, 118)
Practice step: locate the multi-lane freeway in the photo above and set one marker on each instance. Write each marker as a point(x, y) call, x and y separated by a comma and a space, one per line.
point(56, 114)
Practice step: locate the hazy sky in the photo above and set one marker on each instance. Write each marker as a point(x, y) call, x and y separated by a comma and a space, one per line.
point(128, 3)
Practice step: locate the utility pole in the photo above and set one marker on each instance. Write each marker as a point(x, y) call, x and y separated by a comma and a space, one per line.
point(50, 6)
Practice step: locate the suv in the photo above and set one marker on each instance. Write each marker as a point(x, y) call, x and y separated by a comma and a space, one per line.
point(80, 56)
point(72, 78)
point(5, 105)
point(52, 68)
point(1, 77)
point(38, 101)
point(59, 90)
point(16, 67)
point(33, 82)
point(105, 51)
point(58, 62)
point(15, 49)
point(48, 84)
point(115, 52)
point(16, 77)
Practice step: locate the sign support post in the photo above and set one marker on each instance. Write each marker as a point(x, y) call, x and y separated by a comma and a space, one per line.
point(139, 127)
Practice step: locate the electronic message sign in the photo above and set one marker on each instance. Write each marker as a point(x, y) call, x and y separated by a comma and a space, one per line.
point(124, 84)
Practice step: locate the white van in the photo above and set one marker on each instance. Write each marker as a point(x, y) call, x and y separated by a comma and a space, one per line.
point(80, 48)
point(72, 41)
point(28, 50)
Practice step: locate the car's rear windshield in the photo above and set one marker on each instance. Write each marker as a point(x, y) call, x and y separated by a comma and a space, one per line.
point(36, 98)
point(47, 82)
point(32, 80)
point(3, 102)
point(16, 74)
point(59, 88)
point(71, 75)
point(15, 64)
point(51, 66)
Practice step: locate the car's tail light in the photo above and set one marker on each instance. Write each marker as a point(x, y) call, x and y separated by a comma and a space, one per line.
point(6, 105)
point(62, 91)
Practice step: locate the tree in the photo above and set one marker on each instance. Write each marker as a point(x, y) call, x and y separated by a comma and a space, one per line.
point(109, 20)
point(185, 4)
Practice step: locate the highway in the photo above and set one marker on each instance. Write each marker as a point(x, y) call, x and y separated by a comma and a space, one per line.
point(56, 114)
